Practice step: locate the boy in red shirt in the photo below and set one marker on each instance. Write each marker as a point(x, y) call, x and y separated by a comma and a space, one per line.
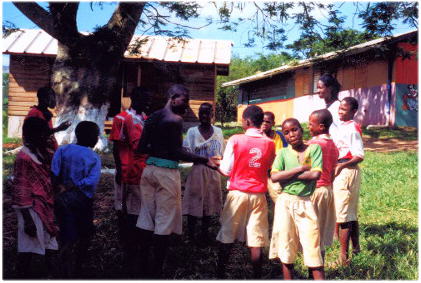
point(247, 159)
point(125, 134)
point(322, 198)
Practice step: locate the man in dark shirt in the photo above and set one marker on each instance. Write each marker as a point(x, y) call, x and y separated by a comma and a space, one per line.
point(160, 212)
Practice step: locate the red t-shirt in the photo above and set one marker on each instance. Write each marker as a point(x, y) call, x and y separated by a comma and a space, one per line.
point(35, 112)
point(125, 133)
point(250, 156)
point(330, 158)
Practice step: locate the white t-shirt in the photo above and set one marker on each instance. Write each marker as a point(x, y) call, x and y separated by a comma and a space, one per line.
point(334, 109)
point(195, 143)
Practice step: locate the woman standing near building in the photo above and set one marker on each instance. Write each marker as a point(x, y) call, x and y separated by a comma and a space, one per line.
point(328, 89)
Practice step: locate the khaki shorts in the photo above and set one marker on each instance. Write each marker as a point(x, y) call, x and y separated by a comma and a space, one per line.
point(132, 198)
point(160, 209)
point(324, 206)
point(295, 222)
point(346, 191)
point(244, 218)
point(38, 244)
point(274, 190)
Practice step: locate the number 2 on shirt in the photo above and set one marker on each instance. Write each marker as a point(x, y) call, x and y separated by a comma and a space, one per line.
point(253, 162)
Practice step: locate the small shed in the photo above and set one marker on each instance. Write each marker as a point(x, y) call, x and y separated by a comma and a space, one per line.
point(157, 64)
point(382, 74)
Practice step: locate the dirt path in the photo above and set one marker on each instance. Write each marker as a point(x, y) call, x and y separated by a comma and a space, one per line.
point(389, 144)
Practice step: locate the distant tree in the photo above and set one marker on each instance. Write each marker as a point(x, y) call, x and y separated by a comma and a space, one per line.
point(226, 98)
point(331, 41)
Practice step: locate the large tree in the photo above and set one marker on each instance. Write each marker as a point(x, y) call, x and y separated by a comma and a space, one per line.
point(86, 68)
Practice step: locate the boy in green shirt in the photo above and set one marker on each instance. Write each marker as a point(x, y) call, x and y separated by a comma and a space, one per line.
point(297, 167)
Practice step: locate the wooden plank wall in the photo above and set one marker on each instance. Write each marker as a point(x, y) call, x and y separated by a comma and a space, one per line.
point(303, 82)
point(26, 75)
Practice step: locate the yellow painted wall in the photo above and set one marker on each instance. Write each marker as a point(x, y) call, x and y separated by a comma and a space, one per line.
point(281, 108)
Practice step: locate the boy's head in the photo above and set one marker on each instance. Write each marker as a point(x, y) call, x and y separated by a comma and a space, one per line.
point(141, 99)
point(87, 133)
point(347, 108)
point(252, 117)
point(319, 122)
point(46, 97)
point(268, 121)
point(293, 132)
point(35, 132)
point(179, 98)
point(205, 113)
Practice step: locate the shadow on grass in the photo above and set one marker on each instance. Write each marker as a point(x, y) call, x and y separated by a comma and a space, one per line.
point(403, 133)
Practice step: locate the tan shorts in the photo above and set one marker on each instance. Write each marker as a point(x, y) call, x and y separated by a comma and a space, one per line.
point(274, 190)
point(324, 206)
point(346, 191)
point(295, 222)
point(244, 218)
point(132, 198)
point(160, 209)
point(38, 244)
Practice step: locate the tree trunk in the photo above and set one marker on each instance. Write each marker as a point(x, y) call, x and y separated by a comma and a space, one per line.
point(84, 77)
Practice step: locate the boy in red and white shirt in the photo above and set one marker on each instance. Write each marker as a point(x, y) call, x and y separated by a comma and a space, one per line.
point(247, 159)
point(319, 123)
point(347, 181)
point(125, 133)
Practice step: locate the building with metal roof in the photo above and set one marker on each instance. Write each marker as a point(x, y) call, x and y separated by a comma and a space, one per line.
point(156, 64)
point(382, 74)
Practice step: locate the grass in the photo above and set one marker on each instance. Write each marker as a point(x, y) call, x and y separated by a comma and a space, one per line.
point(388, 232)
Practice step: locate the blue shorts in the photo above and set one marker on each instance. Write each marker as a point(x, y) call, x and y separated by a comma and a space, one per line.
point(74, 213)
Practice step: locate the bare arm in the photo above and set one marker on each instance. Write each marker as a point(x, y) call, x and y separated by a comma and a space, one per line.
point(350, 163)
point(309, 176)
point(287, 175)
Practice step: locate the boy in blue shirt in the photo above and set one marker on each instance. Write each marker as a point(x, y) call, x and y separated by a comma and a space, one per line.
point(76, 169)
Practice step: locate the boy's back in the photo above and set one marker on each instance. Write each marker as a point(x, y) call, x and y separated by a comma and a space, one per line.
point(252, 156)
point(329, 156)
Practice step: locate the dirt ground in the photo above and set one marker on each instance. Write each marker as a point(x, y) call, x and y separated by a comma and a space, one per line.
point(389, 144)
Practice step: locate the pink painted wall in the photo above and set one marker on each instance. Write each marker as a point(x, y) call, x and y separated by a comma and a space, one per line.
point(373, 104)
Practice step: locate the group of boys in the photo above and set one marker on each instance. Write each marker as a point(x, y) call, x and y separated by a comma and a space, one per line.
point(306, 209)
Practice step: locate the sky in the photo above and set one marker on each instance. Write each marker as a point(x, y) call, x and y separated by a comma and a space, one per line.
point(87, 20)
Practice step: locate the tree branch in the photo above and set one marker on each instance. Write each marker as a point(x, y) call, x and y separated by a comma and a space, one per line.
point(64, 20)
point(38, 16)
point(124, 20)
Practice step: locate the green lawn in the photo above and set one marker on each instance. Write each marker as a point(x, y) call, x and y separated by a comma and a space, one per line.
point(388, 224)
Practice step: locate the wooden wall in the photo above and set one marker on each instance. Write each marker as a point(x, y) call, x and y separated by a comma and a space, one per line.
point(26, 75)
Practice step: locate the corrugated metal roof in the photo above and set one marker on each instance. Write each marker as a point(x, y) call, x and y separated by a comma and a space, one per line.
point(308, 62)
point(205, 51)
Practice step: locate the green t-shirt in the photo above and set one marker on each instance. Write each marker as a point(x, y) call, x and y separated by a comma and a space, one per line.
point(287, 159)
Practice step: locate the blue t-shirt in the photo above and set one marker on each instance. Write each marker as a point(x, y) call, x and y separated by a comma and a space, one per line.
point(79, 165)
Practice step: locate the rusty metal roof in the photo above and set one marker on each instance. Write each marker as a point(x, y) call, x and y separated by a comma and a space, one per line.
point(327, 56)
point(204, 51)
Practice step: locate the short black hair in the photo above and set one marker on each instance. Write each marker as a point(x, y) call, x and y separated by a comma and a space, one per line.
point(255, 114)
point(270, 114)
point(292, 120)
point(34, 129)
point(206, 105)
point(44, 92)
point(352, 102)
point(324, 117)
point(176, 90)
point(87, 133)
point(331, 82)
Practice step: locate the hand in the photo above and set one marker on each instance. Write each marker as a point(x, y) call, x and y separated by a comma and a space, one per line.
point(338, 169)
point(63, 126)
point(30, 229)
point(216, 160)
point(305, 168)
